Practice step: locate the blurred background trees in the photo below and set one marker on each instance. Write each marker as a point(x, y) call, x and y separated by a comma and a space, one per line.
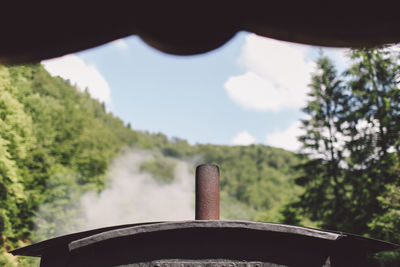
point(351, 140)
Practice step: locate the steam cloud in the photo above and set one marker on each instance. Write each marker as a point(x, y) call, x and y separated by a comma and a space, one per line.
point(131, 196)
point(135, 196)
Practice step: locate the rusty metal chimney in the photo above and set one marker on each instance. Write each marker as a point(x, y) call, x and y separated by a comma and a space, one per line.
point(207, 192)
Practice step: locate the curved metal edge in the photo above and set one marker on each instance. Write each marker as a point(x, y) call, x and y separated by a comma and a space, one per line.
point(271, 227)
point(371, 245)
point(86, 238)
point(36, 249)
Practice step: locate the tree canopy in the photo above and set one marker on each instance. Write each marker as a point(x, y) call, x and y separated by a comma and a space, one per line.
point(57, 142)
point(351, 139)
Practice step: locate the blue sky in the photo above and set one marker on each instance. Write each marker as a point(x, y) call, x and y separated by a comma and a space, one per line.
point(248, 91)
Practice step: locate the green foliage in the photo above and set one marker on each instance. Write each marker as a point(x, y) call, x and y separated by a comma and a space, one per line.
point(352, 141)
point(256, 180)
point(15, 141)
point(63, 194)
point(54, 140)
point(373, 162)
point(161, 168)
point(57, 143)
point(387, 224)
point(322, 176)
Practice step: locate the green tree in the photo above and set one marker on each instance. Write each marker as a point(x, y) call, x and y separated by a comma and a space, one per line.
point(57, 142)
point(16, 139)
point(351, 139)
point(372, 129)
point(324, 199)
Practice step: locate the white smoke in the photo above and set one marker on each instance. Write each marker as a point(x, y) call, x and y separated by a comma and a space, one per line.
point(131, 196)
point(135, 196)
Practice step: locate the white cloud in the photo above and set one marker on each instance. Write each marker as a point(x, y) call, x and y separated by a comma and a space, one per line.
point(286, 139)
point(253, 92)
point(243, 138)
point(120, 44)
point(276, 78)
point(84, 75)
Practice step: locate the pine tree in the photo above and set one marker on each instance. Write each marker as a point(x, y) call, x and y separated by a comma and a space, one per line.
point(373, 127)
point(352, 143)
point(325, 197)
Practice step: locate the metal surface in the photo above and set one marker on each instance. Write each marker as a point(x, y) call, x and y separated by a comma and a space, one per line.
point(204, 226)
point(37, 31)
point(203, 263)
point(207, 192)
point(37, 249)
point(204, 243)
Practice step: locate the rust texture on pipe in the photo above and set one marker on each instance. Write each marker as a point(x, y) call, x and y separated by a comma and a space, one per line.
point(207, 192)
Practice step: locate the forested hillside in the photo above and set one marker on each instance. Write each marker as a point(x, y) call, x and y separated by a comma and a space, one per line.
point(57, 142)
